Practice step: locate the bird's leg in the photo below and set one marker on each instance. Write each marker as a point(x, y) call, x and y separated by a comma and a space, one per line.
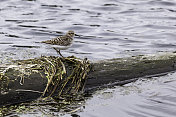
point(58, 51)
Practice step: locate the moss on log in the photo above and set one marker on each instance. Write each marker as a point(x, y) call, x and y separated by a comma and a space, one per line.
point(103, 73)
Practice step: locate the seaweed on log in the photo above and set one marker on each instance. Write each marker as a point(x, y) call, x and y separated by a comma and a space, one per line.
point(71, 75)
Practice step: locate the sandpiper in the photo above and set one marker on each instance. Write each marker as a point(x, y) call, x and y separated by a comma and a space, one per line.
point(61, 42)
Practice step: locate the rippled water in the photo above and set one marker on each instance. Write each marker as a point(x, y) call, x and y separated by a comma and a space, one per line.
point(104, 29)
point(154, 97)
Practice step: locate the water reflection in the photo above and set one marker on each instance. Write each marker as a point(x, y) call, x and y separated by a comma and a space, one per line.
point(153, 97)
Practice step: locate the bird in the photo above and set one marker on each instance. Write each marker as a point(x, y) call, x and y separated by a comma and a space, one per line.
point(61, 42)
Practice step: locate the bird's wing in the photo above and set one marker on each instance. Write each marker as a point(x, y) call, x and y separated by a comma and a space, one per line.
point(62, 40)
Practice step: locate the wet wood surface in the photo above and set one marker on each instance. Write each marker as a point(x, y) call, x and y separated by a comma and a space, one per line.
point(103, 73)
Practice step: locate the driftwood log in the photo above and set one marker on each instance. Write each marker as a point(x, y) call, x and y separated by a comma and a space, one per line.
point(103, 73)
point(122, 71)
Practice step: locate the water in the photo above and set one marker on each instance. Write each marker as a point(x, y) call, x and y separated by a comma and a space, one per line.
point(144, 98)
point(104, 29)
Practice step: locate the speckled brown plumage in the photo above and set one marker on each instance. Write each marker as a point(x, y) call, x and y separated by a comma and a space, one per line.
point(64, 40)
point(61, 42)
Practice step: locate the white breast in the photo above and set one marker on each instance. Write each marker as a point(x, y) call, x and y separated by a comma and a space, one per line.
point(61, 47)
point(58, 46)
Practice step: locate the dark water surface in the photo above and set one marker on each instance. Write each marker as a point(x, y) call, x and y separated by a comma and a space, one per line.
point(104, 29)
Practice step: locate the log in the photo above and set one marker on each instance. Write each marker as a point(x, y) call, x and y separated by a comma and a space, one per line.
point(103, 73)
point(125, 70)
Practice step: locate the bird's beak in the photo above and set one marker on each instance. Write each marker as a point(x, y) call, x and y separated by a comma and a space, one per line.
point(77, 35)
